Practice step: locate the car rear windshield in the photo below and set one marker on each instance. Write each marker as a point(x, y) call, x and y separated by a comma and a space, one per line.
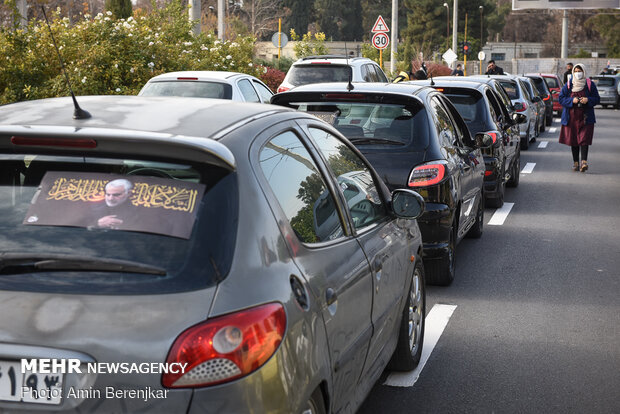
point(71, 224)
point(540, 85)
point(373, 125)
point(192, 89)
point(603, 81)
point(511, 89)
point(472, 108)
point(552, 82)
point(318, 73)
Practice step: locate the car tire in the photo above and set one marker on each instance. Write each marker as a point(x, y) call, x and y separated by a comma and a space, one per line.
point(316, 403)
point(525, 143)
point(516, 170)
point(549, 119)
point(542, 126)
point(440, 272)
point(476, 231)
point(498, 201)
point(604, 106)
point(408, 350)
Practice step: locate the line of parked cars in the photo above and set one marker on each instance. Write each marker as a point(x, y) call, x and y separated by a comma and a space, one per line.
point(280, 253)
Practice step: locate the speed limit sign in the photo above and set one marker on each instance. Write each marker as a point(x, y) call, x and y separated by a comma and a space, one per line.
point(380, 40)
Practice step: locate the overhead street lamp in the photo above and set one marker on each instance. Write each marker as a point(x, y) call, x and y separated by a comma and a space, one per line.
point(447, 23)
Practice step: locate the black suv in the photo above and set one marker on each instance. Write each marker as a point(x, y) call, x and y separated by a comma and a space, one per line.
point(416, 139)
point(481, 110)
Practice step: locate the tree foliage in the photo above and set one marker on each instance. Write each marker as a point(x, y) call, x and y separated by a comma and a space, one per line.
point(107, 56)
point(608, 25)
point(309, 44)
point(300, 15)
point(121, 9)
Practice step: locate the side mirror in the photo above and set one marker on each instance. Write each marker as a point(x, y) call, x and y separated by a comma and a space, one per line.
point(519, 118)
point(407, 204)
point(483, 140)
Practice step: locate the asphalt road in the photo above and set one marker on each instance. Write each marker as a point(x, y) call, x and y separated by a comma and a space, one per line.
point(536, 327)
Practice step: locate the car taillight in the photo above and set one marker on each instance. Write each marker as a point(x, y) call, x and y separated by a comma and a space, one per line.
point(427, 174)
point(546, 98)
point(282, 89)
point(54, 142)
point(186, 78)
point(227, 347)
point(521, 107)
point(493, 136)
point(488, 173)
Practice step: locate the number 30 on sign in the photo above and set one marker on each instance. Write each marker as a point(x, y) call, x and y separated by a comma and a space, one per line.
point(380, 40)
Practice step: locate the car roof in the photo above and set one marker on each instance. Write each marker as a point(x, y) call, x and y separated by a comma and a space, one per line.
point(453, 82)
point(402, 88)
point(203, 75)
point(544, 75)
point(135, 120)
point(338, 59)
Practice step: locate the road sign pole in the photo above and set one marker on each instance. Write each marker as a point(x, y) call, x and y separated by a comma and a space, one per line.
point(381, 58)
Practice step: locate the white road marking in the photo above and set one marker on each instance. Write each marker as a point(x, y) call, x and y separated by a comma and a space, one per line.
point(557, 119)
point(553, 130)
point(436, 322)
point(500, 215)
point(543, 144)
point(529, 167)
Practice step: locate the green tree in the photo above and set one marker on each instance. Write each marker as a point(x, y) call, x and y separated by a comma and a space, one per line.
point(301, 14)
point(608, 25)
point(423, 33)
point(121, 9)
point(328, 17)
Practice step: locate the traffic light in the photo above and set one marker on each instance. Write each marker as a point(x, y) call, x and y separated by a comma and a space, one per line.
point(466, 48)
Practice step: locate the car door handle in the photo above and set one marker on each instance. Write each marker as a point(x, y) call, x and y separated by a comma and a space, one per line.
point(330, 296)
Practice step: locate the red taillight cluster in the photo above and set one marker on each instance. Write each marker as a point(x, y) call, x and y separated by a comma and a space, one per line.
point(427, 174)
point(282, 89)
point(522, 107)
point(546, 98)
point(54, 142)
point(227, 347)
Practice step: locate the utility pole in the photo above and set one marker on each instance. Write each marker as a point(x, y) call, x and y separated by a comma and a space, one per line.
point(22, 7)
point(394, 41)
point(194, 15)
point(220, 19)
point(564, 54)
point(455, 24)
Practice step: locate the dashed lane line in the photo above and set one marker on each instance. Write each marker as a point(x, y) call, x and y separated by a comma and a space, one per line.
point(436, 322)
point(529, 167)
point(543, 144)
point(553, 130)
point(500, 215)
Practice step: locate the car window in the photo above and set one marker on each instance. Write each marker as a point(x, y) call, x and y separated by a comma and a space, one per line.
point(366, 76)
point(525, 90)
point(460, 129)
point(388, 127)
point(300, 189)
point(552, 82)
point(540, 85)
point(317, 73)
point(445, 129)
point(354, 179)
point(603, 81)
point(248, 92)
point(499, 110)
point(380, 74)
point(511, 89)
point(193, 89)
point(472, 108)
point(263, 91)
point(176, 217)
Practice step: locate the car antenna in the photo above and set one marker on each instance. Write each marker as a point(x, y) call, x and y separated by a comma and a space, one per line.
point(350, 84)
point(78, 113)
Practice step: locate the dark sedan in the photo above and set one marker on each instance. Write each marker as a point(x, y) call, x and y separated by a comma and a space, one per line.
point(184, 239)
point(416, 139)
point(480, 108)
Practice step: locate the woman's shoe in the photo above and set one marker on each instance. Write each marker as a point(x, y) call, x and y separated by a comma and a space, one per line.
point(575, 166)
point(584, 166)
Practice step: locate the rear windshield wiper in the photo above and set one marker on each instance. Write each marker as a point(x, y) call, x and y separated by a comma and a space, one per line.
point(379, 141)
point(18, 263)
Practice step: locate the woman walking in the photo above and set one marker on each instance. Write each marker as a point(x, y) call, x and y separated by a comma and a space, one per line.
point(578, 98)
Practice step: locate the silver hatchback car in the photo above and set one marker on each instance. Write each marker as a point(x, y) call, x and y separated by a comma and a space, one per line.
point(524, 104)
point(162, 256)
point(208, 84)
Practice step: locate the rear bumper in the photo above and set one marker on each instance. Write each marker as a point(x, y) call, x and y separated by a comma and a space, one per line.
point(491, 176)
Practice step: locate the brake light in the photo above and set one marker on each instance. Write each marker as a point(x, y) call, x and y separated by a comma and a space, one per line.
point(439, 89)
point(227, 347)
point(493, 136)
point(522, 107)
point(187, 79)
point(487, 173)
point(546, 98)
point(54, 142)
point(282, 89)
point(344, 96)
point(427, 174)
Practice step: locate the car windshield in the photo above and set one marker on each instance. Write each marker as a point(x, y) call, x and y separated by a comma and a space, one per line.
point(192, 89)
point(318, 73)
point(472, 108)
point(384, 126)
point(511, 89)
point(73, 224)
point(603, 81)
point(552, 82)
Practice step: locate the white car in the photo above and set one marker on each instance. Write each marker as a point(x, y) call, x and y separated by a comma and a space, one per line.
point(330, 68)
point(208, 84)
